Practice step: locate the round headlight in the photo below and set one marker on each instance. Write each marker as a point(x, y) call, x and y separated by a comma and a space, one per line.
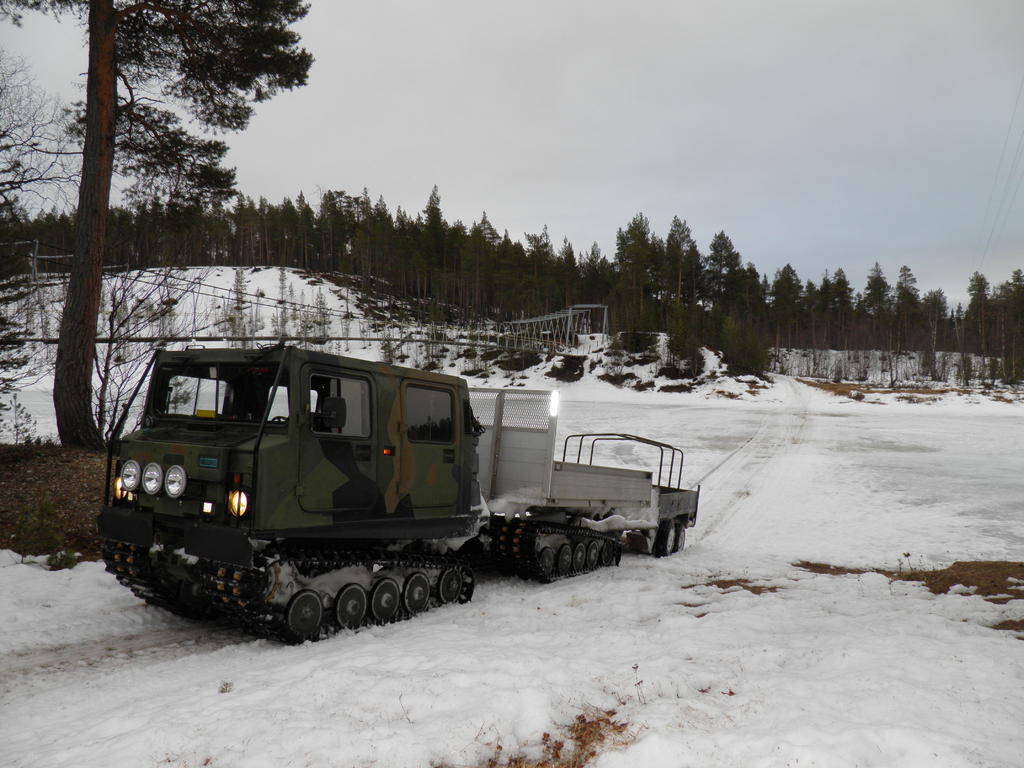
point(238, 502)
point(152, 478)
point(130, 473)
point(175, 481)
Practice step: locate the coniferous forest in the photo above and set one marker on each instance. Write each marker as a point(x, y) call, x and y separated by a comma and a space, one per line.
point(701, 296)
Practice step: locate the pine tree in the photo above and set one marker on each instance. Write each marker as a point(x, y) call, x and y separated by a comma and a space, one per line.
point(907, 307)
point(211, 59)
point(723, 262)
point(786, 300)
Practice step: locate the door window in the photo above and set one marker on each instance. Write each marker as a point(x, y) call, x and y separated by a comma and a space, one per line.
point(356, 394)
point(429, 414)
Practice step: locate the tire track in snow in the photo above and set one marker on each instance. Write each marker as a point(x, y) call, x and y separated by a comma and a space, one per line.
point(754, 465)
point(117, 650)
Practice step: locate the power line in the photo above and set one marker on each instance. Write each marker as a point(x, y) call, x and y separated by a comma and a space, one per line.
point(1002, 212)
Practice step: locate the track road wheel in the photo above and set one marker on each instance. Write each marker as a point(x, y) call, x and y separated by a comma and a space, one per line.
point(608, 554)
point(564, 560)
point(350, 606)
point(385, 600)
point(449, 585)
point(546, 558)
point(593, 554)
point(305, 612)
point(579, 557)
point(416, 593)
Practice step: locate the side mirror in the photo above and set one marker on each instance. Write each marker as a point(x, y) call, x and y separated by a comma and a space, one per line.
point(333, 414)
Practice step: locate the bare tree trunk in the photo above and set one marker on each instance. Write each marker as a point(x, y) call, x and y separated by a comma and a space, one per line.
point(76, 350)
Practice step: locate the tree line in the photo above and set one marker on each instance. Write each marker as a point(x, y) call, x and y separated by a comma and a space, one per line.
point(700, 296)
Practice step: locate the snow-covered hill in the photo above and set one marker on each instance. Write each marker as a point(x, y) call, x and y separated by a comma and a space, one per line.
point(326, 312)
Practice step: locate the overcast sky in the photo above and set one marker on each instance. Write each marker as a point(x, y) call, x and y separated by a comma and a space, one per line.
point(816, 132)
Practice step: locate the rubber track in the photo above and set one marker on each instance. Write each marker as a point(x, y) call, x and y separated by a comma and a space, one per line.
point(517, 544)
point(241, 592)
point(134, 569)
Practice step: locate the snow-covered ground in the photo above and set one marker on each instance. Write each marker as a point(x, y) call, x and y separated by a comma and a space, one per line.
point(825, 670)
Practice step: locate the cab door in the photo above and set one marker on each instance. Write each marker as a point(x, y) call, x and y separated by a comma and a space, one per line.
point(429, 447)
point(337, 470)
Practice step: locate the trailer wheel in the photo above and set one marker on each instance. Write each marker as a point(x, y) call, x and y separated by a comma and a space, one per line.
point(662, 539)
point(679, 538)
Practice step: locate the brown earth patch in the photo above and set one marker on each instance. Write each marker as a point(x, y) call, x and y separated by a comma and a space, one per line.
point(578, 745)
point(830, 570)
point(71, 478)
point(757, 589)
point(726, 584)
point(1013, 625)
point(676, 388)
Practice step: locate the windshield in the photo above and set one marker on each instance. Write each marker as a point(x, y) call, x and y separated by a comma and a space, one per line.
point(219, 391)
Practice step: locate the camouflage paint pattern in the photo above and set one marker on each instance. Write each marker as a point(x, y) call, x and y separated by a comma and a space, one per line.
point(308, 482)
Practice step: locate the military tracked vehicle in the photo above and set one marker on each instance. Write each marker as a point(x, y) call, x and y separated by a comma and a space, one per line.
point(302, 492)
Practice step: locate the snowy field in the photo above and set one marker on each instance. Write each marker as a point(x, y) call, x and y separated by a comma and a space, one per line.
point(818, 670)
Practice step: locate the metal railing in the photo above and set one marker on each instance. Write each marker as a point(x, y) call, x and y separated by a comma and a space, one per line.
point(675, 474)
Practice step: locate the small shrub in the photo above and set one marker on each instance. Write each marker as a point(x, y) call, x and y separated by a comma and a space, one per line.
point(61, 560)
point(38, 533)
point(618, 379)
point(570, 368)
point(519, 361)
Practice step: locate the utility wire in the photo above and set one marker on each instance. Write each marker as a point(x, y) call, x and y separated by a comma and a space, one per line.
point(229, 293)
point(1001, 212)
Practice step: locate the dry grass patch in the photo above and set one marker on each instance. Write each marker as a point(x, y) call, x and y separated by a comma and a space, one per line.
point(578, 745)
point(908, 394)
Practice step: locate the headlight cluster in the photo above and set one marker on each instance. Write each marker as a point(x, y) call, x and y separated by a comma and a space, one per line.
point(152, 478)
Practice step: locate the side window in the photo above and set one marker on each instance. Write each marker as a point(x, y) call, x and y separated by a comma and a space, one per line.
point(356, 395)
point(429, 414)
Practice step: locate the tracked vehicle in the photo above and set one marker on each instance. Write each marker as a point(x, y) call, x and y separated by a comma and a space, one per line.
point(302, 493)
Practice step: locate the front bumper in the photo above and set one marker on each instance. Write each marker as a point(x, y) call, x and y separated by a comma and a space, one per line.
point(128, 525)
point(202, 540)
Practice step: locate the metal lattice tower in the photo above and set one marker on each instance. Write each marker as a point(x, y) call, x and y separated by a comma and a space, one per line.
point(558, 331)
